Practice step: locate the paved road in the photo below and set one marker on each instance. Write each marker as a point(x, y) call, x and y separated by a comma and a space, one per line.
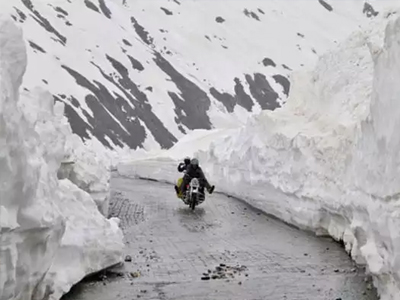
point(171, 247)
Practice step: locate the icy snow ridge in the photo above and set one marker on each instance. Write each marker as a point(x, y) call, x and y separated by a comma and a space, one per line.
point(51, 232)
point(327, 161)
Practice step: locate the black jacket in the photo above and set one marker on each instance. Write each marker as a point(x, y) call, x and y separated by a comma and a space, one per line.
point(182, 167)
point(194, 173)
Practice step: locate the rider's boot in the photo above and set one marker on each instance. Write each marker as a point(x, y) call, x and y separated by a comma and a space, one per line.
point(183, 197)
point(211, 189)
point(176, 189)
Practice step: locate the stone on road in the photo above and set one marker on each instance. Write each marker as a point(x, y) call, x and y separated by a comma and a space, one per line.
point(222, 250)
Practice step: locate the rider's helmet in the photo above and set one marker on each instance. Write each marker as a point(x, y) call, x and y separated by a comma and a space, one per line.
point(195, 163)
point(187, 160)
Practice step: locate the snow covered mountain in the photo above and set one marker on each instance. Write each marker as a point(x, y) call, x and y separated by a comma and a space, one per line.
point(141, 74)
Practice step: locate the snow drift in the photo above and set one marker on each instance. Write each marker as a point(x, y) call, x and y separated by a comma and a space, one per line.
point(329, 160)
point(52, 234)
point(88, 170)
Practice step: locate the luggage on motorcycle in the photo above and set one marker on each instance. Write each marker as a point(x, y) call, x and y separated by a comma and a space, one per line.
point(178, 184)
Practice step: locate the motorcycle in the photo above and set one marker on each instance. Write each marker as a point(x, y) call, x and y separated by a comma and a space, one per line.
point(194, 194)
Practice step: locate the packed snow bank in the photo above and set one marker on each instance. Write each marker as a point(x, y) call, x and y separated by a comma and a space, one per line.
point(52, 234)
point(327, 161)
point(31, 224)
point(88, 165)
point(88, 170)
point(90, 243)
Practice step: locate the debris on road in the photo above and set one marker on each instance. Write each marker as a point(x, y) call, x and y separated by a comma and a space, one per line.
point(128, 258)
point(224, 271)
point(135, 274)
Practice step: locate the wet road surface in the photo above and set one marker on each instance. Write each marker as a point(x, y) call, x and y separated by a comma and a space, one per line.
point(177, 253)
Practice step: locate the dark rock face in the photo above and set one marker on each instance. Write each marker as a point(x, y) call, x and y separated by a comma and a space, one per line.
point(36, 47)
point(61, 10)
point(219, 19)
point(91, 6)
point(243, 99)
point(126, 42)
point(75, 102)
point(141, 32)
point(327, 6)
point(251, 14)
point(166, 11)
point(78, 125)
point(369, 11)
point(282, 80)
point(137, 65)
point(21, 15)
point(230, 101)
point(192, 104)
point(227, 100)
point(143, 108)
point(261, 90)
point(268, 62)
point(42, 21)
point(102, 125)
point(104, 9)
point(118, 117)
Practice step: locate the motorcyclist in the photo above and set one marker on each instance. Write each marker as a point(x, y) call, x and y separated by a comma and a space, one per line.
point(183, 165)
point(194, 171)
point(181, 168)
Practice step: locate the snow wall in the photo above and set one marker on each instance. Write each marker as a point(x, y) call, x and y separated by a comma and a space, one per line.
point(328, 161)
point(51, 231)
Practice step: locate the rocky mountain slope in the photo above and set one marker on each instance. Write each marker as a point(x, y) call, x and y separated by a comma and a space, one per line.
point(141, 74)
